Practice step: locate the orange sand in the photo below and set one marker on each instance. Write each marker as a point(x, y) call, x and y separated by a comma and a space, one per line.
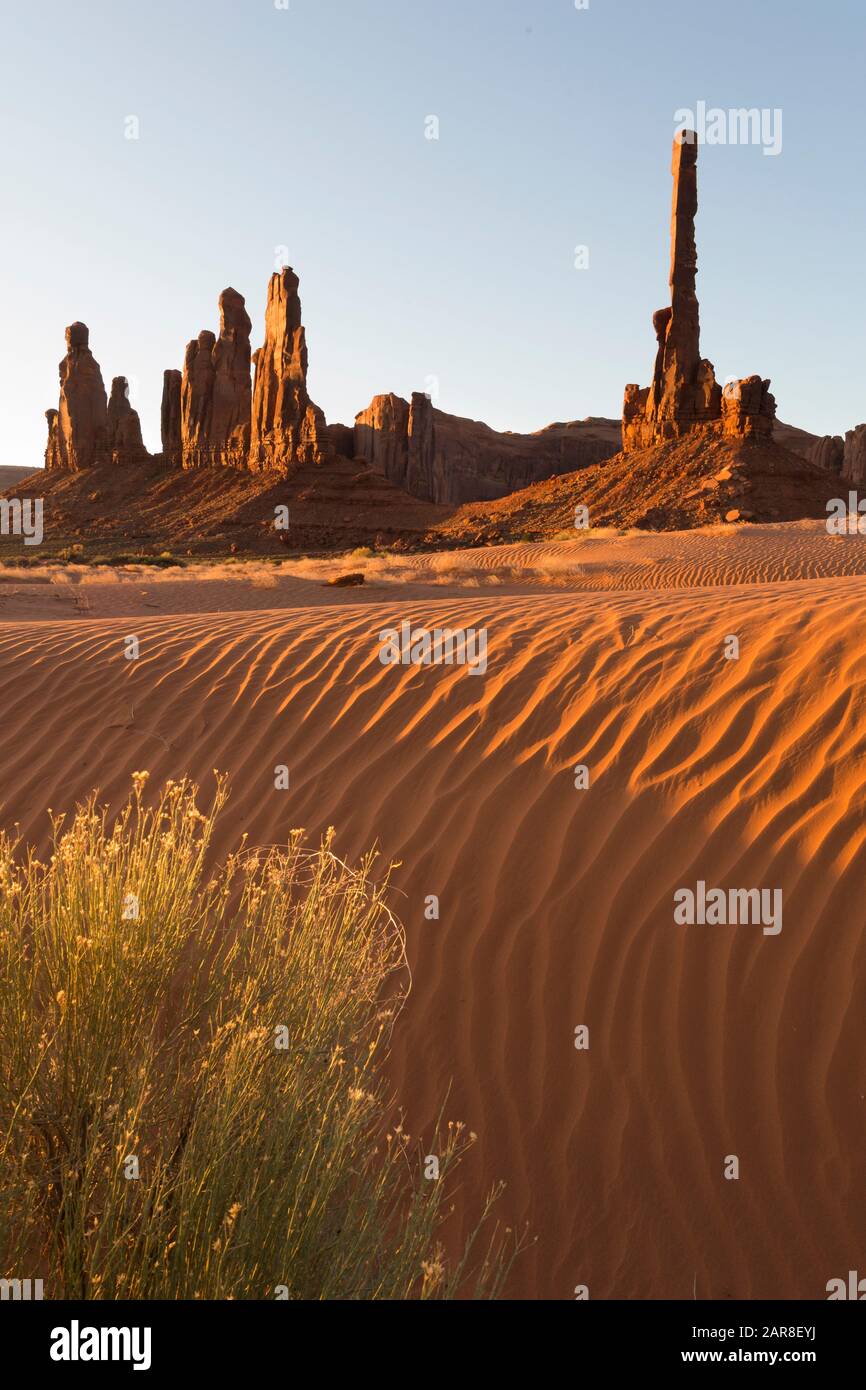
point(556, 905)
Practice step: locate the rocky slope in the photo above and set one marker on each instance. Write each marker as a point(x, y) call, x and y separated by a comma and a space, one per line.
point(668, 487)
point(203, 511)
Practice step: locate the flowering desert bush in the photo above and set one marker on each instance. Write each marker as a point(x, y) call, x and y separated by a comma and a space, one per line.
point(190, 1102)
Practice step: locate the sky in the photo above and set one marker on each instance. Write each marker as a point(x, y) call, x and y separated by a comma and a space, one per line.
point(298, 132)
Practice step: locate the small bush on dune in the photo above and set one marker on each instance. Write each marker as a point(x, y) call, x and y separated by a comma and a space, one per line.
point(190, 1102)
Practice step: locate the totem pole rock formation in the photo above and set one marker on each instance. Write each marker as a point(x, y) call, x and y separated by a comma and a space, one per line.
point(684, 394)
point(125, 444)
point(215, 391)
point(170, 431)
point(287, 428)
point(78, 430)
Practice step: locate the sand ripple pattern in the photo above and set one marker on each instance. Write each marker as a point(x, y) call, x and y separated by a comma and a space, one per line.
point(556, 905)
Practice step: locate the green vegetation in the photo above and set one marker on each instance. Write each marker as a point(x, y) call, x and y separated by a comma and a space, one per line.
point(191, 1103)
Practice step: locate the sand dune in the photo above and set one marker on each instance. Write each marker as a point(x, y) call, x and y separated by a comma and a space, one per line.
point(729, 556)
point(556, 904)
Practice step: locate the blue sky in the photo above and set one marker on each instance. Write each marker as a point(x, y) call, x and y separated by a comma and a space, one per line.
point(451, 259)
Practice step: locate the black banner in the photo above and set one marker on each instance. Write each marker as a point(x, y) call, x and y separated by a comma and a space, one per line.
point(85, 1339)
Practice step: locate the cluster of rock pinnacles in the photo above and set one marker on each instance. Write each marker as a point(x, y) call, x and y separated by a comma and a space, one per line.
point(213, 416)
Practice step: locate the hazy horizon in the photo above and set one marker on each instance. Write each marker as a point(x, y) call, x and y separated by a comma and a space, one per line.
point(422, 261)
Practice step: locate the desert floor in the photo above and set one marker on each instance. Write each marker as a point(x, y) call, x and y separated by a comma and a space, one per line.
point(556, 904)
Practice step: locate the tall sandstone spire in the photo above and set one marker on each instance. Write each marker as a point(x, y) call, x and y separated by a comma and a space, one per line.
point(232, 391)
point(170, 417)
point(287, 428)
point(78, 430)
point(683, 340)
point(125, 444)
point(684, 394)
point(215, 391)
point(88, 429)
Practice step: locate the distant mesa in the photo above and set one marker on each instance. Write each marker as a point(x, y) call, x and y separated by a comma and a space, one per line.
point(684, 394)
point(447, 459)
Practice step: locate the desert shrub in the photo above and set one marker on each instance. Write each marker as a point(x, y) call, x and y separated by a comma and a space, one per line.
point(72, 555)
point(220, 1034)
point(162, 561)
point(124, 557)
